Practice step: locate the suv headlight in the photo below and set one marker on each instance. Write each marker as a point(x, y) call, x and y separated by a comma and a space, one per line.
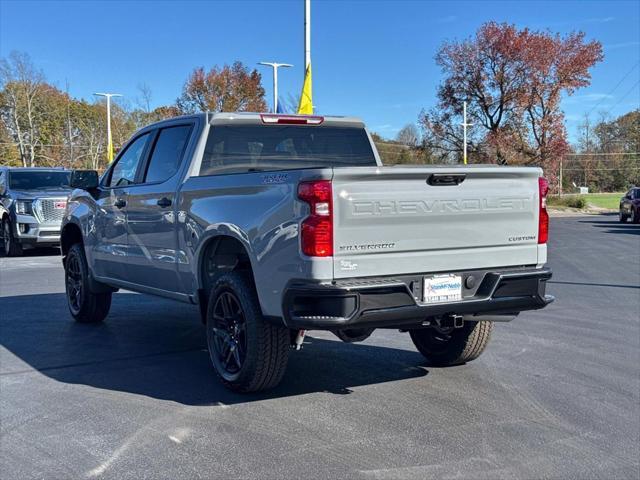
point(24, 207)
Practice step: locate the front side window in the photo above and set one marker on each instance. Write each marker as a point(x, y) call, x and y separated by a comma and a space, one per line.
point(124, 172)
point(167, 153)
point(252, 148)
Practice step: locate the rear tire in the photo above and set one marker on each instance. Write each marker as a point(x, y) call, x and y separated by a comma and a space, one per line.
point(84, 305)
point(11, 247)
point(635, 215)
point(248, 353)
point(452, 346)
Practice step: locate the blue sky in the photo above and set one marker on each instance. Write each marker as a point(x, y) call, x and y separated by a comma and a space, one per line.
point(373, 59)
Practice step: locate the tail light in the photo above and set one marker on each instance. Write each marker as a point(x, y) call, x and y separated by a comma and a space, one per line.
point(317, 229)
point(543, 218)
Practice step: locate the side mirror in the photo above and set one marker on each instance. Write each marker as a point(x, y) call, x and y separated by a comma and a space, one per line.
point(84, 179)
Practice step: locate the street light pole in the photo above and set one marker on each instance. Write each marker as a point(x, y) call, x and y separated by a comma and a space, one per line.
point(464, 130)
point(109, 141)
point(275, 67)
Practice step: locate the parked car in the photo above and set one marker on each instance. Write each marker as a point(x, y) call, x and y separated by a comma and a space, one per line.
point(32, 203)
point(275, 225)
point(630, 206)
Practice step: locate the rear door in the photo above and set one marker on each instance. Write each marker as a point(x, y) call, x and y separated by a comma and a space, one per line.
point(151, 212)
point(397, 220)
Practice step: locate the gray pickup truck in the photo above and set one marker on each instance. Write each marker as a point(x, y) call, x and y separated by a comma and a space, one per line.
point(275, 225)
point(32, 203)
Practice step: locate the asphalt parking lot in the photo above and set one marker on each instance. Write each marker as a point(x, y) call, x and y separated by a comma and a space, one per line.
point(556, 395)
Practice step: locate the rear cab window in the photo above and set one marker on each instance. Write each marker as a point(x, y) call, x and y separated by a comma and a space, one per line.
point(258, 148)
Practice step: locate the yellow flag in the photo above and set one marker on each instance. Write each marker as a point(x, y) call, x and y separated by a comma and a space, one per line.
point(305, 106)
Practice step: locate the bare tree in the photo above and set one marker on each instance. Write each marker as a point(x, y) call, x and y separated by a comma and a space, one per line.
point(408, 135)
point(22, 84)
point(144, 100)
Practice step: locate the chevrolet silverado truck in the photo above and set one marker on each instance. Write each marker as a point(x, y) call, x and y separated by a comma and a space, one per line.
point(279, 224)
point(32, 203)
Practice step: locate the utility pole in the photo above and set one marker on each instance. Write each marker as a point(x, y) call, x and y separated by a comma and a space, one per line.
point(109, 141)
point(69, 136)
point(464, 130)
point(560, 178)
point(275, 67)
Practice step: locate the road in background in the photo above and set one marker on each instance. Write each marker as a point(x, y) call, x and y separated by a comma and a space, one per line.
point(556, 394)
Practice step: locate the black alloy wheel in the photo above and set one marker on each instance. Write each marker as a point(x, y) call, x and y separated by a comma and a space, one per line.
point(85, 305)
point(227, 336)
point(73, 280)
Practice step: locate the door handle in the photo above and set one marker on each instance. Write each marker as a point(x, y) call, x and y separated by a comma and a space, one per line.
point(120, 203)
point(164, 202)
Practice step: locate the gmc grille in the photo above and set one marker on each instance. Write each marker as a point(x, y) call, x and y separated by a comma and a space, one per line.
point(46, 211)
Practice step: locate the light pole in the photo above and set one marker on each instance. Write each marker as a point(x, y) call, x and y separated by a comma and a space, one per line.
point(109, 142)
point(464, 130)
point(275, 67)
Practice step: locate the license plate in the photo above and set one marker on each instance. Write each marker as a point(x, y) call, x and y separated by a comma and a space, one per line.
point(442, 288)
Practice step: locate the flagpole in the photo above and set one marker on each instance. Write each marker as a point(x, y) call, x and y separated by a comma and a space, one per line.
point(307, 34)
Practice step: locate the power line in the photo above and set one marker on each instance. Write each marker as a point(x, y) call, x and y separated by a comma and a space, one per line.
point(614, 88)
point(624, 96)
point(599, 154)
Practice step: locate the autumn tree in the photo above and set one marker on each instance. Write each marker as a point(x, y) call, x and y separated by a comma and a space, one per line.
point(227, 89)
point(512, 81)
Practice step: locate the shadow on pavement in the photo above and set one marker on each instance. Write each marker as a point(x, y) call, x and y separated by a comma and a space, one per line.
point(614, 226)
point(34, 252)
point(155, 347)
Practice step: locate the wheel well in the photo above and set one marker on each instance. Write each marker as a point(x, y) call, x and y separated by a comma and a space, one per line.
point(70, 235)
point(220, 255)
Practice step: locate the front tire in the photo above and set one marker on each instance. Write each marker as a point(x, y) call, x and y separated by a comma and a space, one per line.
point(452, 346)
point(84, 305)
point(635, 215)
point(10, 245)
point(622, 217)
point(248, 353)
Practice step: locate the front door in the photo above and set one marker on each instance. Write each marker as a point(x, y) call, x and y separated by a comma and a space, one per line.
point(110, 247)
point(151, 213)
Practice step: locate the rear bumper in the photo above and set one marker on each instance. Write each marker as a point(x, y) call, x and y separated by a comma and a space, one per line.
point(387, 302)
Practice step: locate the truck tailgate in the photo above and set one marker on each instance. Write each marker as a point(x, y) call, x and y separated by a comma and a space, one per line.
point(392, 221)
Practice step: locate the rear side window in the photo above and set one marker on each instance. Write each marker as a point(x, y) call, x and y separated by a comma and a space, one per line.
point(239, 149)
point(167, 153)
point(124, 172)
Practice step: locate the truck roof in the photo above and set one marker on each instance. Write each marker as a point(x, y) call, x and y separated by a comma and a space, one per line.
point(254, 118)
